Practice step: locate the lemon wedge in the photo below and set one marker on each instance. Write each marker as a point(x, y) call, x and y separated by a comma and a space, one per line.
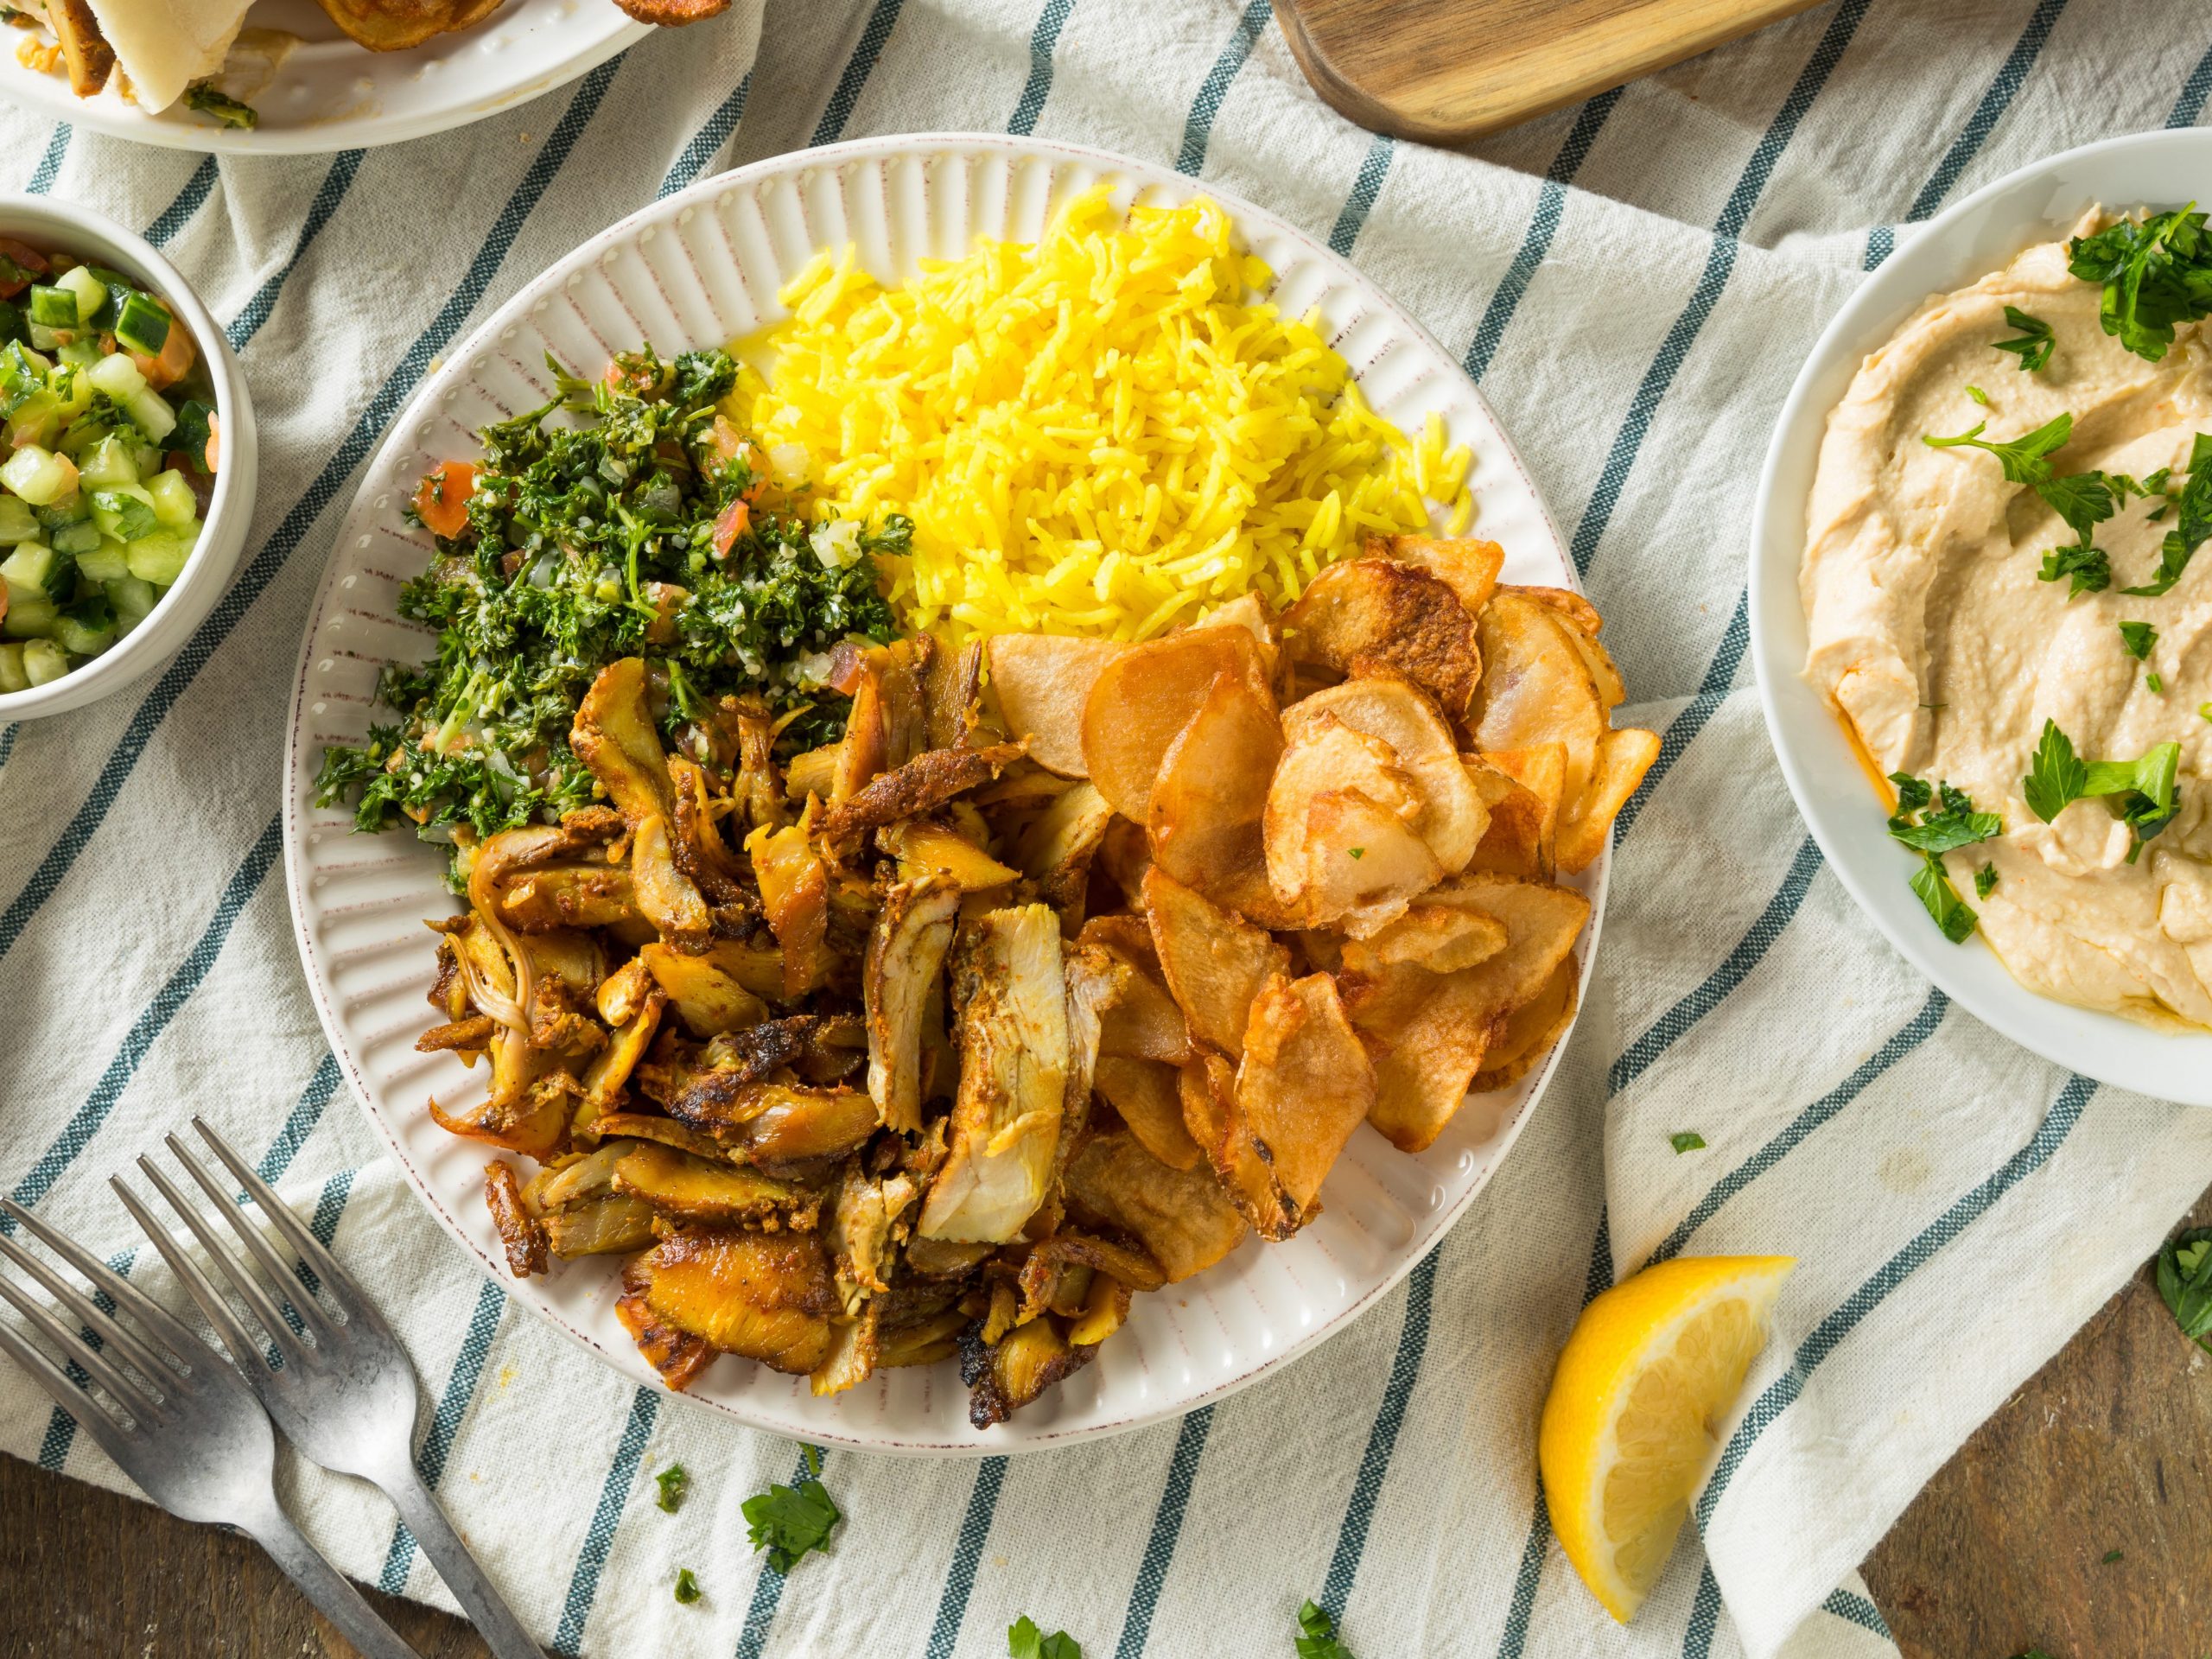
point(1652, 1365)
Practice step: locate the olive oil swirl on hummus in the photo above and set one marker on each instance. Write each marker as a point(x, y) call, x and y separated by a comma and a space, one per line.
point(1948, 652)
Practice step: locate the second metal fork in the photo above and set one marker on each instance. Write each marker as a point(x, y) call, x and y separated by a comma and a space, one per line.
point(345, 1392)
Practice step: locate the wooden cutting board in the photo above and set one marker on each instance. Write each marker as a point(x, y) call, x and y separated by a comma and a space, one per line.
point(1445, 71)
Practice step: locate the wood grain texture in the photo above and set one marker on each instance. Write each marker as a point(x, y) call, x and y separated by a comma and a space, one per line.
point(2109, 1446)
point(1445, 72)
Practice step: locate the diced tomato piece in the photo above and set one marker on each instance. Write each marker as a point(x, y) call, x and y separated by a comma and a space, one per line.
point(26, 256)
point(736, 519)
point(443, 497)
point(214, 441)
point(171, 363)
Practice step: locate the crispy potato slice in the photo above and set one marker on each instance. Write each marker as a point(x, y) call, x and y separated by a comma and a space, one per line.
point(1568, 605)
point(935, 847)
point(1142, 699)
point(691, 1188)
point(1040, 682)
point(1624, 756)
point(1181, 1216)
point(1453, 816)
point(1536, 687)
point(905, 951)
point(1523, 787)
point(1214, 961)
point(1442, 938)
point(1125, 854)
point(1341, 847)
point(1465, 564)
point(1206, 1085)
point(1148, 1097)
point(1531, 1030)
point(767, 1296)
point(1305, 1085)
point(1145, 1024)
point(614, 735)
point(1376, 613)
point(707, 998)
point(1211, 793)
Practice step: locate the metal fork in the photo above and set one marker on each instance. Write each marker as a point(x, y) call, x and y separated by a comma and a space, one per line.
point(344, 1393)
point(193, 1440)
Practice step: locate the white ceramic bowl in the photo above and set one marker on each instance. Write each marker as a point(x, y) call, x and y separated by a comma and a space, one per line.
point(701, 268)
point(48, 224)
point(1980, 234)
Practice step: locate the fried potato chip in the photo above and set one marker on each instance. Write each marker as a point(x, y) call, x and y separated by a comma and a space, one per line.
point(1213, 791)
point(1303, 1086)
point(1125, 854)
point(1568, 605)
point(673, 14)
point(1453, 816)
point(1530, 1031)
point(1214, 961)
point(1523, 788)
point(1536, 687)
point(1339, 829)
point(1382, 615)
point(1145, 1024)
point(1207, 1085)
point(396, 25)
point(1182, 1218)
point(1144, 697)
point(1040, 682)
point(1467, 566)
point(1442, 938)
point(1624, 756)
point(1148, 1095)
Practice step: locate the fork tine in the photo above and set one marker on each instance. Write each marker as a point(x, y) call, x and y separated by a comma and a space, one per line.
point(112, 1332)
point(242, 1278)
point(280, 1271)
point(164, 1325)
point(228, 1328)
point(336, 1284)
point(90, 1416)
point(96, 1365)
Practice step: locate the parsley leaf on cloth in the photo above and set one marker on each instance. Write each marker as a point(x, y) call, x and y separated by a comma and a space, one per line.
point(1317, 1638)
point(687, 1587)
point(788, 1521)
point(1686, 1140)
point(672, 1482)
point(2024, 458)
point(2157, 272)
point(2185, 1283)
point(1025, 1641)
point(2033, 347)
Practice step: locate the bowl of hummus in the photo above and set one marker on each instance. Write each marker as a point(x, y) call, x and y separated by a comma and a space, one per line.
point(1982, 606)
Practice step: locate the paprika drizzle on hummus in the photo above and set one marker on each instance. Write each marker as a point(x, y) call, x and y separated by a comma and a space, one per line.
point(1998, 478)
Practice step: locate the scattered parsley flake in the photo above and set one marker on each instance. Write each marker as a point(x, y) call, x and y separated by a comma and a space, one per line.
point(2089, 567)
point(790, 1521)
point(1316, 1634)
point(1978, 395)
point(687, 1587)
point(1357, 852)
point(1687, 1140)
point(2112, 1555)
point(1946, 819)
point(2157, 685)
point(2137, 638)
point(673, 1481)
point(2034, 346)
point(813, 1455)
point(1984, 881)
point(1025, 1641)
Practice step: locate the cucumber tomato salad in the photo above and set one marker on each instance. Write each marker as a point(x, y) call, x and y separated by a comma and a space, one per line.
point(108, 462)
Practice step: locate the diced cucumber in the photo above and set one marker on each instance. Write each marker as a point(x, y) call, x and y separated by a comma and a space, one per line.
point(38, 475)
point(147, 460)
point(36, 420)
point(76, 540)
point(72, 635)
point(142, 325)
point(174, 501)
point(28, 619)
point(29, 571)
point(52, 307)
point(72, 388)
point(16, 524)
point(91, 293)
point(159, 559)
point(134, 601)
point(108, 465)
point(14, 324)
point(152, 412)
point(44, 662)
point(12, 678)
point(80, 353)
point(127, 513)
point(105, 561)
point(118, 376)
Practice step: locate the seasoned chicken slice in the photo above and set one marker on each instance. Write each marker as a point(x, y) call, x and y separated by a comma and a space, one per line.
point(614, 735)
point(905, 952)
point(1182, 1218)
point(767, 1296)
point(1011, 995)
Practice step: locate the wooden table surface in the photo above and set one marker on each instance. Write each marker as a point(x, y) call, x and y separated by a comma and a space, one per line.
point(2108, 1447)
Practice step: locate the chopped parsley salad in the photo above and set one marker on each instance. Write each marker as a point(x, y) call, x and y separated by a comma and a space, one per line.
point(626, 517)
point(110, 451)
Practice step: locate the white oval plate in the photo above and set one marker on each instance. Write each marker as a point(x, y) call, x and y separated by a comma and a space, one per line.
point(1980, 234)
point(703, 268)
point(333, 94)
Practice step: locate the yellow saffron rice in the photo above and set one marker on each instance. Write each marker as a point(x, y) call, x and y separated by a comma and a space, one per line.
point(1093, 433)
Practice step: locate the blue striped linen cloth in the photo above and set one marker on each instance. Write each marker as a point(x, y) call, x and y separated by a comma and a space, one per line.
point(1634, 282)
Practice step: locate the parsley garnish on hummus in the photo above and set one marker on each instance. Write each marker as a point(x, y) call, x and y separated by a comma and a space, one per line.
point(2024, 458)
point(2034, 346)
point(2137, 638)
point(1951, 913)
point(2192, 523)
point(2156, 272)
point(1984, 881)
point(1932, 821)
point(2141, 793)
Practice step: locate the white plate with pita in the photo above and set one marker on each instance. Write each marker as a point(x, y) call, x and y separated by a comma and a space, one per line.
point(703, 268)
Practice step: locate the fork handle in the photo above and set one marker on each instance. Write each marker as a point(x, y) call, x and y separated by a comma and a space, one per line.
point(486, 1609)
point(334, 1595)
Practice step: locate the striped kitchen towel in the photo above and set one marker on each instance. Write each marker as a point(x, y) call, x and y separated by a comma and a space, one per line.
point(1634, 282)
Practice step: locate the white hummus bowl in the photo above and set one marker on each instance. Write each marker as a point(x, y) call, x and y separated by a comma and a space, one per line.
point(1979, 235)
